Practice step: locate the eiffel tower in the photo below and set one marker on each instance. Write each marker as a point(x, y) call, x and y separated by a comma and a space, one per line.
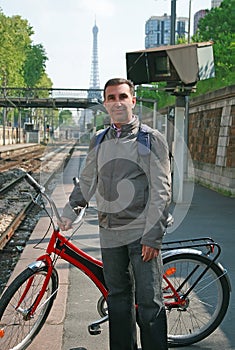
point(94, 78)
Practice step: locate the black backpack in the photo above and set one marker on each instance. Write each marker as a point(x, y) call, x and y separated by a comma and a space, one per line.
point(143, 138)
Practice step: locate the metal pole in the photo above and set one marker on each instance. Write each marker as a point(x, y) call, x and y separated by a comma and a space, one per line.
point(179, 149)
point(4, 125)
point(186, 135)
point(173, 21)
point(154, 114)
point(189, 21)
point(19, 125)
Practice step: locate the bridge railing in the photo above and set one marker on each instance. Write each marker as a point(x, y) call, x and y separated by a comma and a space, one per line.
point(10, 92)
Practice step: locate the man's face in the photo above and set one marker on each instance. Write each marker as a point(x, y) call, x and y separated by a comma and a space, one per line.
point(119, 103)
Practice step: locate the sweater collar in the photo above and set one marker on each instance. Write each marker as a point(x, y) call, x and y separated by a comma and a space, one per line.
point(131, 128)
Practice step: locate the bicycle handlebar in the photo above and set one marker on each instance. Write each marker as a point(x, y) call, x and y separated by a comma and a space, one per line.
point(34, 184)
point(41, 189)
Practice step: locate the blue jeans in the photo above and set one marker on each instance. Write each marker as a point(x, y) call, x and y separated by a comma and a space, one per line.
point(131, 281)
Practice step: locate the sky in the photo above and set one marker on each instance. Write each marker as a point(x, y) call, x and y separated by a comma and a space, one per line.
point(64, 28)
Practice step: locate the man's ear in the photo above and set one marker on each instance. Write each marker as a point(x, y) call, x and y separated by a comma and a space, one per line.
point(133, 102)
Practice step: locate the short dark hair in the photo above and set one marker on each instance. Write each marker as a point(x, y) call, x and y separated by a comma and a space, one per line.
point(118, 81)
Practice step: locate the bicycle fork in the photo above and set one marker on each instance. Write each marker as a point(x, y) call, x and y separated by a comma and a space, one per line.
point(42, 261)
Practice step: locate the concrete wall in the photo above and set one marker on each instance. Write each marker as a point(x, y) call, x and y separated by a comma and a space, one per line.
point(12, 135)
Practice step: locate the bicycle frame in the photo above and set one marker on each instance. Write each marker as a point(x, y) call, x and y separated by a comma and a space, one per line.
point(93, 268)
point(196, 288)
point(66, 250)
point(62, 247)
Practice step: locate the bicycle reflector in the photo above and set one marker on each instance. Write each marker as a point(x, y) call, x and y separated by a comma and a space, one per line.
point(211, 248)
point(170, 271)
point(2, 332)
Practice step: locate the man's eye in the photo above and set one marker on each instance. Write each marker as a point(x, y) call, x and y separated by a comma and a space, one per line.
point(123, 97)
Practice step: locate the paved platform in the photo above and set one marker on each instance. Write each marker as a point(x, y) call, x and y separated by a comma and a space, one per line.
point(17, 146)
point(209, 214)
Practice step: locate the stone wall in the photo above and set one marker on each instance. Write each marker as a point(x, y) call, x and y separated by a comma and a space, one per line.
point(211, 139)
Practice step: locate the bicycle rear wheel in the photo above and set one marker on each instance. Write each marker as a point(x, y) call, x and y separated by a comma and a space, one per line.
point(205, 306)
point(16, 331)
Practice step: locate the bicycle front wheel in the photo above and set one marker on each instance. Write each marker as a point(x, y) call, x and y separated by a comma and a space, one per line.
point(205, 306)
point(16, 329)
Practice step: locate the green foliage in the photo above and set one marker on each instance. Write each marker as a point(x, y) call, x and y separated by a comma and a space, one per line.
point(156, 93)
point(21, 62)
point(34, 65)
point(14, 38)
point(66, 118)
point(182, 40)
point(218, 26)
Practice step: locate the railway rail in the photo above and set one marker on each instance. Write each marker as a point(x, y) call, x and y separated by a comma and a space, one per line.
point(23, 156)
point(15, 205)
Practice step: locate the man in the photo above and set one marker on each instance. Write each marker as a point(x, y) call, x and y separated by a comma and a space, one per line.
point(133, 193)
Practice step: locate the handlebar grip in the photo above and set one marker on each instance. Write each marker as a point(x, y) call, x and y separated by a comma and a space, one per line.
point(75, 181)
point(34, 183)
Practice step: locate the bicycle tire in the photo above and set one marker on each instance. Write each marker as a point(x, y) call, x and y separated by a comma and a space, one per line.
point(17, 333)
point(205, 306)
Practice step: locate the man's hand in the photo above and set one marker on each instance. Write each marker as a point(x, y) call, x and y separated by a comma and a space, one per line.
point(65, 224)
point(149, 253)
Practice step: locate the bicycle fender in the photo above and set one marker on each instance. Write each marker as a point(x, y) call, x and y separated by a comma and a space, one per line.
point(175, 252)
point(225, 273)
point(36, 265)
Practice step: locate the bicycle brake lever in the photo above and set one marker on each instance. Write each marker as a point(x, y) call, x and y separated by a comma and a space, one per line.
point(80, 216)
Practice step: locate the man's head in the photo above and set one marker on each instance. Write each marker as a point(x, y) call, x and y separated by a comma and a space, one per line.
point(119, 100)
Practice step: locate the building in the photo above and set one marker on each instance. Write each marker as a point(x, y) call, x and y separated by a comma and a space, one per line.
point(215, 3)
point(197, 16)
point(158, 30)
point(181, 27)
point(202, 13)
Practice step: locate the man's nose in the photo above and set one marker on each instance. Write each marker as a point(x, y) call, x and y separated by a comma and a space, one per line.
point(117, 102)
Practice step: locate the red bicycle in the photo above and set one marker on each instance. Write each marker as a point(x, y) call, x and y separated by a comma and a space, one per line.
point(196, 287)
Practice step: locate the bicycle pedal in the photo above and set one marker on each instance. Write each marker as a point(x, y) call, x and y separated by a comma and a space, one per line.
point(94, 329)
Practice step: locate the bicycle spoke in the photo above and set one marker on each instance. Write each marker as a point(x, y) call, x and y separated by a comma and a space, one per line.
point(199, 312)
point(19, 327)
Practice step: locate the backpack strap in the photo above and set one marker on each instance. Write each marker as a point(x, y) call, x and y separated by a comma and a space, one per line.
point(144, 140)
point(100, 137)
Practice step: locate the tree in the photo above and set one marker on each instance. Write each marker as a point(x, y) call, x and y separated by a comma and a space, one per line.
point(66, 117)
point(34, 65)
point(218, 26)
point(22, 63)
point(157, 93)
point(14, 38)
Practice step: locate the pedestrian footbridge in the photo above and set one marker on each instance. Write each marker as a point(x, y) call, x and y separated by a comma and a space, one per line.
point(50, 98)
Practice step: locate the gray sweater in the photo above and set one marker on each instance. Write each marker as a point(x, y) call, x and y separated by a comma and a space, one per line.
point(133, 192)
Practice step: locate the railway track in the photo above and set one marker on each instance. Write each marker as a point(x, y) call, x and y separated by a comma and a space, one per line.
point(14, 205)
point(25, 157)
point(18, 214)
point(17, 224)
